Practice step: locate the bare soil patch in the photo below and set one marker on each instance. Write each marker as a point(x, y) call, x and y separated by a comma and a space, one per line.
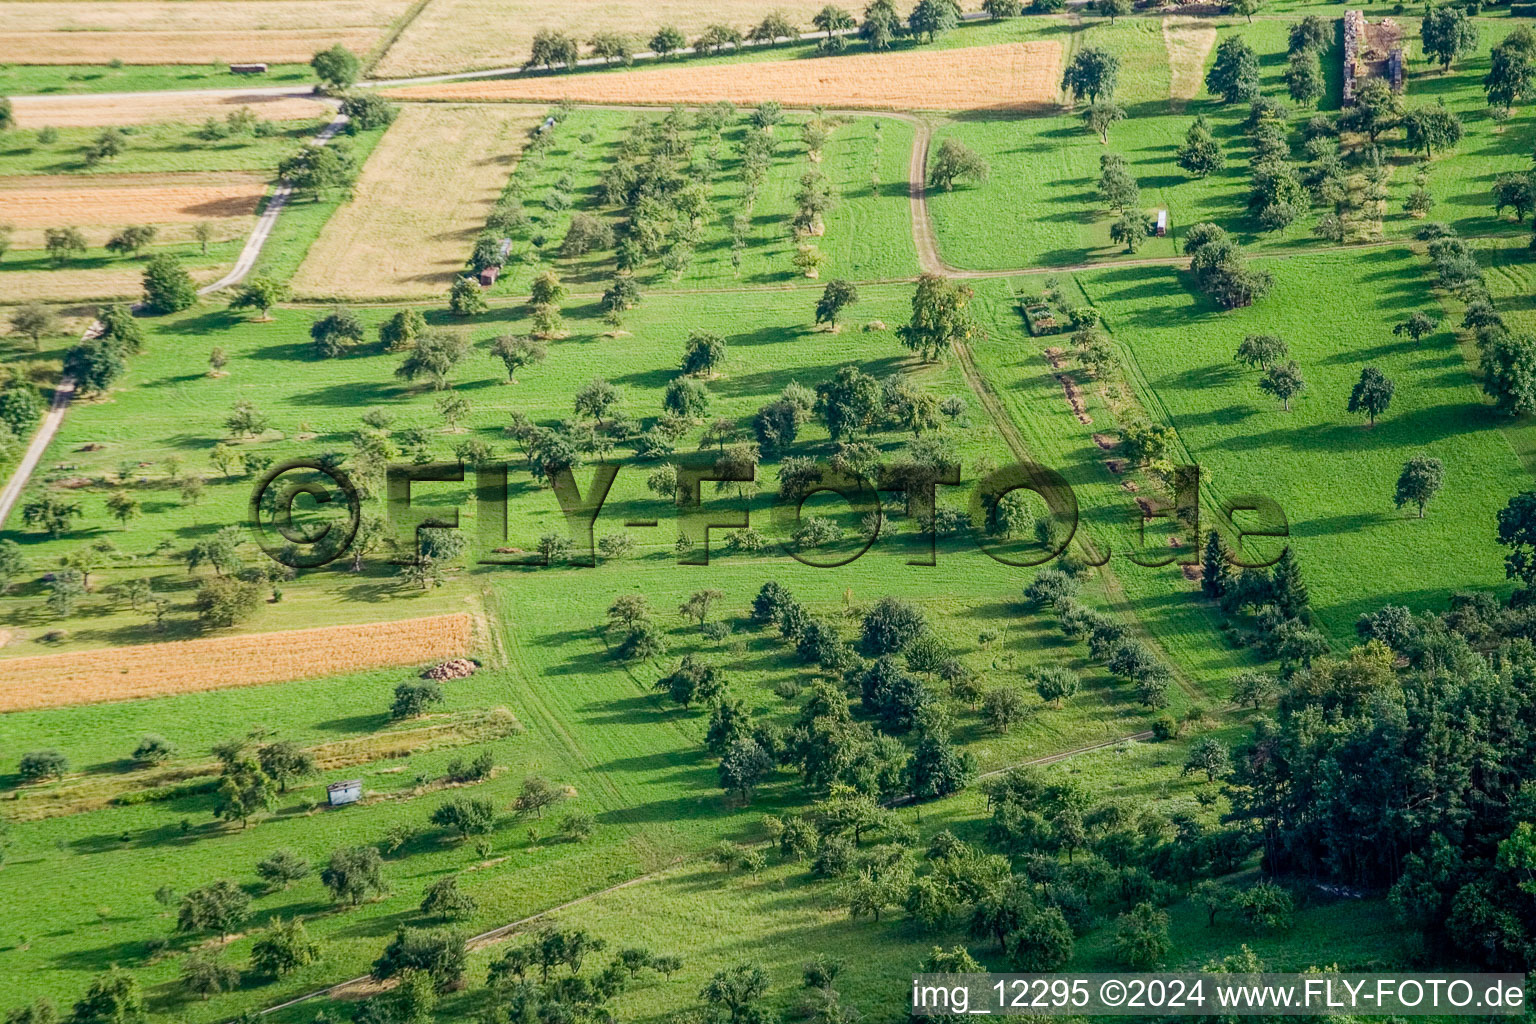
point(215, 663)
point(1009, 76)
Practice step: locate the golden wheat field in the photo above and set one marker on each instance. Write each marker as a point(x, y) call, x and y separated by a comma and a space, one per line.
point(160, 32)
point(420, 201)
point(101, 203)
point(1009, 76)
point(461, 35)
point(216, 663)
point(153, 108)
point(1189, 42)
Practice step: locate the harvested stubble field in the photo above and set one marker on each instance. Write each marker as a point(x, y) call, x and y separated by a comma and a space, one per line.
point(420, 201)
point(88, 111)
point(157, 670)
point(1010, 76)
point(455, 35)
point(182, 33)
point(87, 284)
point(32, 204)
point(1189, 42)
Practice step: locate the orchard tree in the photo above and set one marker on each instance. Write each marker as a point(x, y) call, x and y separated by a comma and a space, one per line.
point(1515, 191)
point(1234, 76)
point(1262, 350)
point(1100, 117)
point(336, 332)
point(1092, 73)
point(400, 331)
point(667, 41)
point(1201, 154)
point(832, 19)
point(1283, 381)
point(1508, 365)
point(220, 907)
point(52, 513)
point(1432, 127)
point(354, 874)
point(550, 49)
point(131, 240)
point(595, 399)
point(283, 948)
point(1419, 482)
point(1376, 109)
point(1446, 33)
point(1111, 9)
point(1141, 937)
point(1372, 393)
point(848, 402)
point(835, 297)
point(123, 506)
point(337, 67)
point(433, 359)
point(168, 288)
point(95, 365)
point(703, 353)
point(932, 18)
point(1418, 326)
point(260, 293)
point(881, 24)
point(36, 321)
point(1130, 230)
point(466, 297)
point(956, 160)
point(1210, 756)
point(63, 245)
point(1511, 74)
point(1304, 78)
point(517, 351)
point(940, 317)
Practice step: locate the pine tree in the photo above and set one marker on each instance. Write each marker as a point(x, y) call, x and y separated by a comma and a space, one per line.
point(1287, 586)
point(1215, 570)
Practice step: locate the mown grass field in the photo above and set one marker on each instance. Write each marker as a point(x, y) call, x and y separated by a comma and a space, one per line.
point(1332, 475)
point(1039, 206)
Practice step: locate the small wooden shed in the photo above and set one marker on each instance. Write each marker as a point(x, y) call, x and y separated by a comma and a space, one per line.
point(247, 69)
point(1162, 223)
point(348, 792)
point(489, 275)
